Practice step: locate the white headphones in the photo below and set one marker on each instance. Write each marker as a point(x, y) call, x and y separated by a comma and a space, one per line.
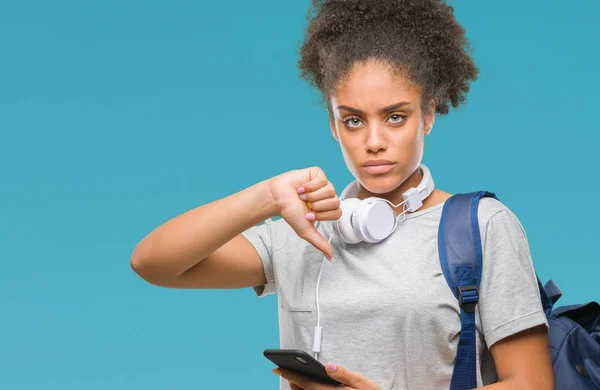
point(372, 219)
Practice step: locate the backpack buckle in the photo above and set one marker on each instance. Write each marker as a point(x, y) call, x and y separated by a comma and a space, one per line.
point(468, 297)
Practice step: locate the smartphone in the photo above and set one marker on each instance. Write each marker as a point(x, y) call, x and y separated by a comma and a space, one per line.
point(301, 362)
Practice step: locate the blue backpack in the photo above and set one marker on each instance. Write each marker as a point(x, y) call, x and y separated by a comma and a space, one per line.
point(574, 334)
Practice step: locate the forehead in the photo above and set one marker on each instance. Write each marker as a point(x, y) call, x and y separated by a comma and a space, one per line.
point(374, 85)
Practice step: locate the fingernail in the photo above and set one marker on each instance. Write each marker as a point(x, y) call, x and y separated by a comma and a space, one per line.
point(303, 196)
point(309, 205)
point(301, 190)
point(276, 371)
point(310, 216)
point(330, 367)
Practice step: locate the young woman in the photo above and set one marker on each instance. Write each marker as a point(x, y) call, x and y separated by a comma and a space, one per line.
point(385, 68)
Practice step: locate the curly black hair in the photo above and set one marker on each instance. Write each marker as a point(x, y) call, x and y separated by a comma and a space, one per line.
point(420, 39)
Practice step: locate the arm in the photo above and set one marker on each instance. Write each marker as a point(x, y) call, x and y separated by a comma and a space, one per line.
point(512, 317)
point(516, 368)
point(204, 247)
point(523, 361)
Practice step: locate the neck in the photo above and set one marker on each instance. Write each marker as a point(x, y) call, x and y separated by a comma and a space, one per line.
point(395, 196)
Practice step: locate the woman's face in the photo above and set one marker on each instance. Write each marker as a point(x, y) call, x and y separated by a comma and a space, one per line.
point(378, 122)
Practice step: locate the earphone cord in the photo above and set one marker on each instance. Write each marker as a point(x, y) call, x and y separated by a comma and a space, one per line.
point(318, 329)
point(404, 210)
point(395, 205)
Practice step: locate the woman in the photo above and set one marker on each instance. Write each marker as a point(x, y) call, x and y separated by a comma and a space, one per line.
point(385, 68)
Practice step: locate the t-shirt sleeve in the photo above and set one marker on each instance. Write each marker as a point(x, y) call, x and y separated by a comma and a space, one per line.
point(261, 237)
point(509, 293)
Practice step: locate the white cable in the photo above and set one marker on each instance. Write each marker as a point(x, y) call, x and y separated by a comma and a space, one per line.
point(318, 329)
point(403, 214)
point(395, 205)
point(404, 209)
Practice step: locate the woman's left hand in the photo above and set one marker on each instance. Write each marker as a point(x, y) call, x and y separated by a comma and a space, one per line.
point(349, 379)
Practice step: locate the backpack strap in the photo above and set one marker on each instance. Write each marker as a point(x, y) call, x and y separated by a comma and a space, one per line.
point(552, 291)
point(461, 256)
point(549, 294)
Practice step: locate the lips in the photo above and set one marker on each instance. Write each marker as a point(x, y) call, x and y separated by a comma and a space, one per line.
point(377, 162)
point(378, 166)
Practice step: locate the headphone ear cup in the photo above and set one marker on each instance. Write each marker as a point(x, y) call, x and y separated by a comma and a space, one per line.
point(374, 220)
point(343, 226)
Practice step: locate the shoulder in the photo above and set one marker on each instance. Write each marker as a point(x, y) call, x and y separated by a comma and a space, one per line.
point(281, 233)
point(277, 224)
point(496, 218)
point(491, 207)
point(277, 228)
point(270, 231)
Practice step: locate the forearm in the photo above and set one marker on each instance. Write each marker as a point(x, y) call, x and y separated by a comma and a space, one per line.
point(182, 242)
point(514, 384)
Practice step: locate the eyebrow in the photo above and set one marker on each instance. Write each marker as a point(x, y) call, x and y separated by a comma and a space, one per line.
point(383, 110)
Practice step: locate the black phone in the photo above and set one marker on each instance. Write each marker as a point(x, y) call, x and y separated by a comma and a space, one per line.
point(301, 362)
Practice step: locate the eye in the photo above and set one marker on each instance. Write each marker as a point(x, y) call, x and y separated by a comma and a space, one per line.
point(353, 122)
point(396, 118)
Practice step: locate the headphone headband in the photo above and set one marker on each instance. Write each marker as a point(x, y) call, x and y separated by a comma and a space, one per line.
point(427, 182)
point(372, 219)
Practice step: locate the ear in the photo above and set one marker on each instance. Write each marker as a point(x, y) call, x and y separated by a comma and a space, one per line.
point(332, 127)
point(430, 118)
point(333, 130)
point(429, 125)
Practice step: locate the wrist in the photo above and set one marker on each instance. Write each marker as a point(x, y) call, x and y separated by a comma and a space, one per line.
point(268, 199)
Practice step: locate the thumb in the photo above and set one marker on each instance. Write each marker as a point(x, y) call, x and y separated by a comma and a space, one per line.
point(312, 235)
point(342, 375)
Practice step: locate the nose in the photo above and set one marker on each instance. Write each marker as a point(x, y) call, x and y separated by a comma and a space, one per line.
point(376, 140)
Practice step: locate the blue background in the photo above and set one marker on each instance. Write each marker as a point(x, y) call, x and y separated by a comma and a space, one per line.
point(118, 115)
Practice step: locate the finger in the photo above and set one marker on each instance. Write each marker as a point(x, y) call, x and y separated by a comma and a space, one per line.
point(328, 191)
point(330, 215)
point(299, 380)
point(294, 386)
point(317, 180)
point(315, 238)
point(329, 204)
point(343, 375)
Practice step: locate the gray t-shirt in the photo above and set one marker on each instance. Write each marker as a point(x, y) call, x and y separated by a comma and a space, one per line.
point(386, 309)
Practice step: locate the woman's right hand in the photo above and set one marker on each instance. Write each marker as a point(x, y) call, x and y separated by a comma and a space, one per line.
point(302, 197)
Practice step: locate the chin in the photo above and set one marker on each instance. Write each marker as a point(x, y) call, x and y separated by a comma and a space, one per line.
point(381, 184)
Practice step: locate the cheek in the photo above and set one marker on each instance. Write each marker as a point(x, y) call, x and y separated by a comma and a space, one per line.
point(408, 143)
point(351, 157)
point(348, 151)
point(348, 145)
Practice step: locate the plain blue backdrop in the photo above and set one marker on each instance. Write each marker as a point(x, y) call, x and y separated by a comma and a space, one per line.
point(118, 115)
